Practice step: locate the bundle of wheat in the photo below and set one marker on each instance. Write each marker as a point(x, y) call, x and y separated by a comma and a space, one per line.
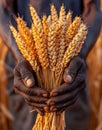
point(49, 45)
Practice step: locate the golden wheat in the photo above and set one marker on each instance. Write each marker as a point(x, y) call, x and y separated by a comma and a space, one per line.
point(45, 28)
point(24, 49)
point(82, 30)
point(40, 46)
point(54, 15)
point(27, 36)
point(49, 45)
point(68, 19)
point(35, 18)
point(62, 15)
point(52, 47)
point(74, 45)
point(72, 30)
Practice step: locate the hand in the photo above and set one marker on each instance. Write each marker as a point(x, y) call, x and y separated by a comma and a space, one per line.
point(24, 84)
point(74, 81)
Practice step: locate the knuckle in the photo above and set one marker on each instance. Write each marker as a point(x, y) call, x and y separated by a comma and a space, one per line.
point(16, 87)
point(81, 78)
point(24, 74)
point(77, 60)
point(15, 71)
point(29, 99)
point(74, 93)
point(16, 90)
point(27, 91)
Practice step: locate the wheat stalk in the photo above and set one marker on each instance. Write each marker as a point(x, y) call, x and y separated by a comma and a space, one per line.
point(24, 49)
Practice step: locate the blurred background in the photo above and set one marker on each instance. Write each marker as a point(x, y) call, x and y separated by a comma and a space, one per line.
point(94, 62)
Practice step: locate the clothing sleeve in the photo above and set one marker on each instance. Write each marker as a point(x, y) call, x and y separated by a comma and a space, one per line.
point(7, 18)
point(92, 16)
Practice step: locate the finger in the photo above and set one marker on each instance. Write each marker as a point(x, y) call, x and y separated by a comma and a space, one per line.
point(32, 99)
point(18, 84)
point(26, 73)
point(62, 110)
point(47, 109)
point(65, 88)
point(72, 70)
point(38, 105)
point(64, 98)
point(39, 110)
point(59, 108)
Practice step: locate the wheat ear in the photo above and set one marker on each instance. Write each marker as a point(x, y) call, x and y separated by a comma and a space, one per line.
point(24, 49)
point(45, 28)
point(75, 45)
point(62, 15)
point(36, 19)
point(27, 35)
point(68, 19)
point(82, 32)
point(40, 46)
point(52, 47)
point(54, 15)
point(72, 30)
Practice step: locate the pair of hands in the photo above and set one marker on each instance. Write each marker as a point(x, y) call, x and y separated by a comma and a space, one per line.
point(59, 98)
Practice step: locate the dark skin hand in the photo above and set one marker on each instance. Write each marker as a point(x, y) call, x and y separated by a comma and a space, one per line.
point(24, 85)
point(59, 98)
point(74, 81)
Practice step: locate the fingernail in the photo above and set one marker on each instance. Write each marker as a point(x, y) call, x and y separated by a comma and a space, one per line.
point(29, 83)
point(55, 109)
point(46, 109)
point(45, 95)
point(51, 103)
point(69, 78)
point(54, 94)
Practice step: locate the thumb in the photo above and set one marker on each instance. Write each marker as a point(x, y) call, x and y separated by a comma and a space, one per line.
point(72, 70)
point(27, 76)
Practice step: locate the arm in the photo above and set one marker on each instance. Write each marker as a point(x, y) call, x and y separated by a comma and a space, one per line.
point(6, 17)
point(75, 74)
point(93, 18)
point(23, 73)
